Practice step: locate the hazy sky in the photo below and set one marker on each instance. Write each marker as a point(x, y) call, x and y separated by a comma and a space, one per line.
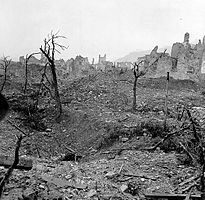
point(92, 27)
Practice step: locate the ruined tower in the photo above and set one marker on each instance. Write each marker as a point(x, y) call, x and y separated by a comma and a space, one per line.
point(93, 61)
point(102, 59)
point(186, 41)
point(186, 37)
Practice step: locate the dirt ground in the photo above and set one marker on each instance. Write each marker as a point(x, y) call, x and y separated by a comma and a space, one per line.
point(97, 123)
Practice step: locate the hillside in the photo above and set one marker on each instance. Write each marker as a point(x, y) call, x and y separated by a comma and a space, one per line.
point(133, 56)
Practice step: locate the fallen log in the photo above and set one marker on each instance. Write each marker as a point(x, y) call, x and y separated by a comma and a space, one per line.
point(156, 196)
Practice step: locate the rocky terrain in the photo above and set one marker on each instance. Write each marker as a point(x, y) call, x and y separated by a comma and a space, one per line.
point(107, 137)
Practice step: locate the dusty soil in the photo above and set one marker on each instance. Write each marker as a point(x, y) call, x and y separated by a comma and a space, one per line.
point(97, 121)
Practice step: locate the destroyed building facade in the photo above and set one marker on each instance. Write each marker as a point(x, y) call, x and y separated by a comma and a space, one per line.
point(187, 61)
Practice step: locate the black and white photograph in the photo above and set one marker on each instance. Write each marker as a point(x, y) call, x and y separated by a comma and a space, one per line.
point(102, 100)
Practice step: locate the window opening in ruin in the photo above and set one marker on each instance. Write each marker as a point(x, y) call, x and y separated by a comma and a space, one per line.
point(174, 64)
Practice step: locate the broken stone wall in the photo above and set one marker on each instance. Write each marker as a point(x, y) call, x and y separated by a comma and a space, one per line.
point(186, 61)
point(78, 66)
point(124, 65)
point(102, 59)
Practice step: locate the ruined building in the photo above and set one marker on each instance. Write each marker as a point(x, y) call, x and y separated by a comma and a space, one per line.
point(102, 59)
point(187, 61)
point(78, 66)
point(103, 64)
point(124, 65)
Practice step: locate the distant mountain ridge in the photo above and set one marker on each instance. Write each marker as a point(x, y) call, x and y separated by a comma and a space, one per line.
point(133, 56)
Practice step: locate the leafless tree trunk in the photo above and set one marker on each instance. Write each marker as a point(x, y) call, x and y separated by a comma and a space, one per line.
point(26, 70)
point(43, 85)
point(137, 74)
point(134, 94)
point(48, 51)
point(5, 65)
point(166, 100)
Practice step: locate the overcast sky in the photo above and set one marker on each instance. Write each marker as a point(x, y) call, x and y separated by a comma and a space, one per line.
point(92, 27)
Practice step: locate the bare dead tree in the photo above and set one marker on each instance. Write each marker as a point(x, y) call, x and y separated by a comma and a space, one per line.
point(44, 84)
point(137, 74)
point(26, 70)
point(5, 64)
point(166, 100)
point(49, 49)
point(44, 80)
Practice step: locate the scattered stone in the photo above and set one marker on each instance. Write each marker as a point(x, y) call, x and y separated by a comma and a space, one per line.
point(123, 187)
point(41, 186)
point(91, 193)
point(69, 176)
point(124, 139)
point(6, 193)
point(55, 195)
point(48, 130)
point(29, 193)
point(110, 175)
point(62, 183)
